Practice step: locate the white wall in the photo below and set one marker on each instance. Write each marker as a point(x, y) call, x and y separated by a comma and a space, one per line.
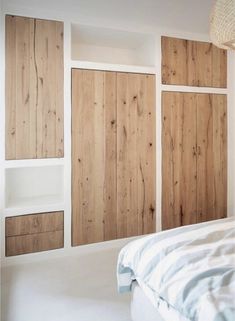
point(2, 68)
point(181, 15)
point(2, 104)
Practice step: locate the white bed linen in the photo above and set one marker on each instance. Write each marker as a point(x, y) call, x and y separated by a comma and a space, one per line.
point(191, 268)
point(142, 308)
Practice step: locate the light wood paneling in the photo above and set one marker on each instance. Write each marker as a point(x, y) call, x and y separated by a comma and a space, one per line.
point(174, 68)
point(34, 223)
point(193, 63)
point(127, 192)
point(146, 153)
point(23, 244)
point(93, 156)
point(219, 103)
point(136, 154)
point(194, 140)
point(179, 204)
point(34, 233)
point(212, 157)
point(110, 181)
point(113, 155)
point(34, 88)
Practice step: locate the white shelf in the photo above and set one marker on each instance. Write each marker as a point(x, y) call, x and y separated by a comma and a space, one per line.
point(33, 162)
point(103, 45)
point(30, 209)
point(112, 67)
point(36, 186)
point(19, 202)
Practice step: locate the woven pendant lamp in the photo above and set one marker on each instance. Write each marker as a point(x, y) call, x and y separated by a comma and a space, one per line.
point(222, 24)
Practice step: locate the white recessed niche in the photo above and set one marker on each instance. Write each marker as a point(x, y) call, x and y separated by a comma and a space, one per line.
point(103, 45)
point(34, 186)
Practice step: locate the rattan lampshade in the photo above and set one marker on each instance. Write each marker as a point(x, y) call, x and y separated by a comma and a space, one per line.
point(222, 24)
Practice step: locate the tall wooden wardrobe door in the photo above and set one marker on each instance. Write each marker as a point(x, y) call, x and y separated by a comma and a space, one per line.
point(113, 155)
point(93, 156)
point(179, 164)
point(135, 154)
point(211, 157)
point(194, 178)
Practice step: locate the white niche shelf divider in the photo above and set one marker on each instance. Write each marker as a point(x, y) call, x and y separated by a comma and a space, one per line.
point(96, 45)
point(34, 189)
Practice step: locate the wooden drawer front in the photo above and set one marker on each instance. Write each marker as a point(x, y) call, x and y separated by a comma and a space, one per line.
point(34, 233)
point(16, 245)
point(34, 223)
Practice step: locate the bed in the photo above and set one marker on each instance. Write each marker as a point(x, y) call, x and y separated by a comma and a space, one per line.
point(184, 274)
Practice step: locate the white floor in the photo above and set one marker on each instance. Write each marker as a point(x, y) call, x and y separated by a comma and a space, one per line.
point(76, 288)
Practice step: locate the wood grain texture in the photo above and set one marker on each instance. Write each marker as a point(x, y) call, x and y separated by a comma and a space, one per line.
point(93, 156)
point(34, 223)
point(212, 157)
point(113, 155)
point(146, 154)
point(34, 233)
point(23, 244)
point(174, 68)
point(34, 88)
point(179, 204)
point(194, 140)
point(110, 179)
point(136, 154)
point(193, 63)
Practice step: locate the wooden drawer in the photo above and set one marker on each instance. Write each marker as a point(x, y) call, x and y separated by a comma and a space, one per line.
point(34, 233)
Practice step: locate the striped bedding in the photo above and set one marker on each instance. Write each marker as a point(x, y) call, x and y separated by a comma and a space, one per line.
point(191, 268)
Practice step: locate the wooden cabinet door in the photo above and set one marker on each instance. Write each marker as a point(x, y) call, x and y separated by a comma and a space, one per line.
point(212, 157)
point(34, 88)
point(135, 154)
point(194, 168)
point(179, 162)
point(113, 155)
point(193, 63)
point(94, 210)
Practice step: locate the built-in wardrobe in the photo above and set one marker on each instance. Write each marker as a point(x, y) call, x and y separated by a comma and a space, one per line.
point(102, 184)
point(194, 133)
point(113, 155)
point(34, 129)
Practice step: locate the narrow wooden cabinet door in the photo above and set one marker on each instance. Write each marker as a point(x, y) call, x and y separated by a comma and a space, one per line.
point(93, 156)
point(34, 88)
point(179, 205)
point(135, 154)
point(212, 157)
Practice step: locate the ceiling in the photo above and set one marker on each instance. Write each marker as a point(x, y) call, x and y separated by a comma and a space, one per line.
point(184, 15)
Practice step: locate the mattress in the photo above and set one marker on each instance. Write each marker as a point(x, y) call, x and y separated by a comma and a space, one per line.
point(143, 309)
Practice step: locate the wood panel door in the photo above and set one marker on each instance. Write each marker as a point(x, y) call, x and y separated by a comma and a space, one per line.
point(194, 163)
point(193, 63)
point(179, 162)
point(113, 155)
point(211, 157)
point(34, 88)
point(93, 156)
point(135, 154)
